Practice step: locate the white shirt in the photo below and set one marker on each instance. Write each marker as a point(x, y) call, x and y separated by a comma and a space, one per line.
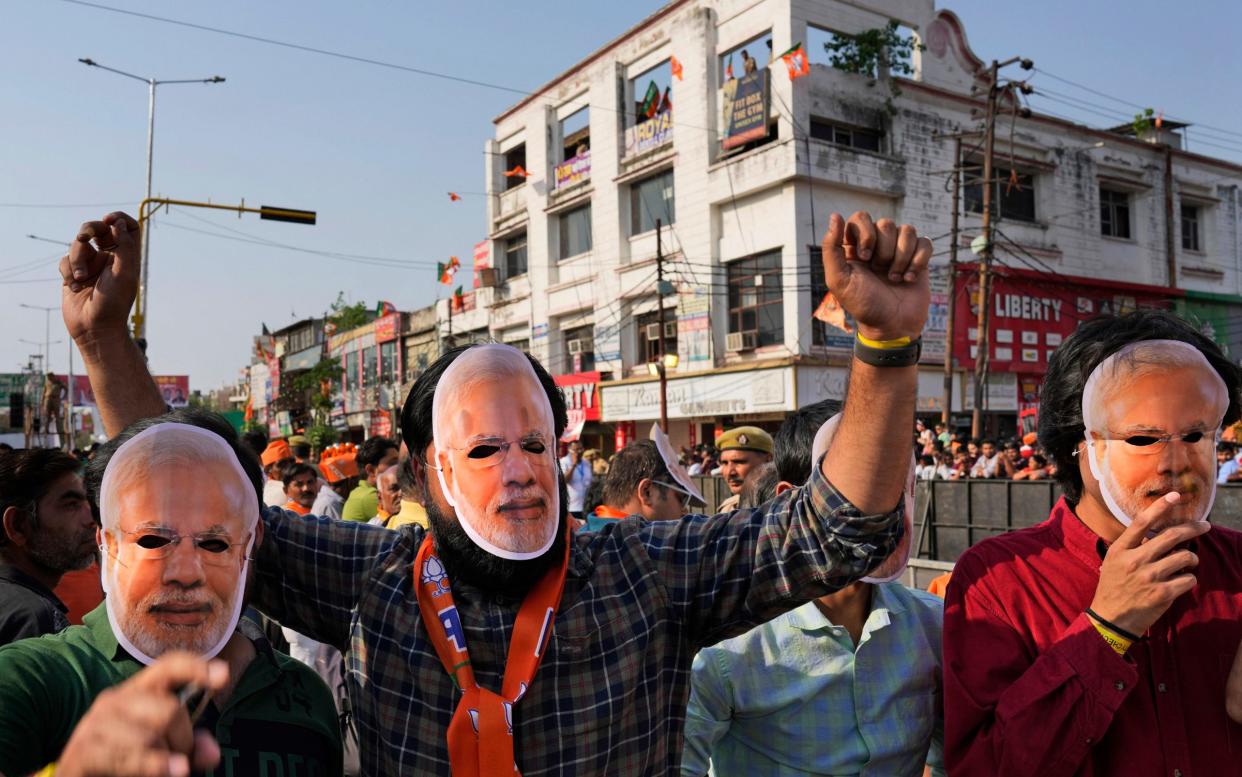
point(328, 503)
point(274, 493)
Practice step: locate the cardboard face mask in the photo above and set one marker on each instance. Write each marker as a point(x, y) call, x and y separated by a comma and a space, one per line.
point(178, 517)
point(495, 452)
point(1139, 402)
point(892, 567)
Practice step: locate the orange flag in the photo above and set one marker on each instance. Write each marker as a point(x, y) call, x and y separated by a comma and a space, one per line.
point(519, 172)
point(454, 196)
point(675, 66)
point(831, 313)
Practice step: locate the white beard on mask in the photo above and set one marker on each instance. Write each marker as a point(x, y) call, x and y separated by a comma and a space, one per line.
point(194, 444)
point(1126, 505)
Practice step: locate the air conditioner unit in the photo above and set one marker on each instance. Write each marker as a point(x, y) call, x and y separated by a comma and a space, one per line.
point(488, 277)
point(653, 331)
point(577, 346)
point(741, 341)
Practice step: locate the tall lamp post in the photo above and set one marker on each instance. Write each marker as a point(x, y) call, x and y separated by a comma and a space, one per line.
point(47, 355)
point(151, 84)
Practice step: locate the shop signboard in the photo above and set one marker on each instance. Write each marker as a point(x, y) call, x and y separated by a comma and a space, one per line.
point(744, 113)
point(649, 135)
point(694, 328)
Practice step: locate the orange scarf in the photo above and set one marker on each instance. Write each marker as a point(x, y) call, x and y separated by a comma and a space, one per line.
point(604, 511)
point(480, 735)
point(297, 508)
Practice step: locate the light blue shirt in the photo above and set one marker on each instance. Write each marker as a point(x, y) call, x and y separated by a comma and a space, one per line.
point(578, 481)
point(1228, 468)
point(795, 697)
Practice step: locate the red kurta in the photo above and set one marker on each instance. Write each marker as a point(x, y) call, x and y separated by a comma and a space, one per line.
point(1032, 689)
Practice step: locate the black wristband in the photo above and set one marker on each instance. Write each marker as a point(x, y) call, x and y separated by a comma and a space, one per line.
point(905, 356)
point(1112, 626)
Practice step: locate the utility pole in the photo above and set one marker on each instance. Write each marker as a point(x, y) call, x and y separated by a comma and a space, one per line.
point(983, 346)
point(660, 318)
point(946, 412)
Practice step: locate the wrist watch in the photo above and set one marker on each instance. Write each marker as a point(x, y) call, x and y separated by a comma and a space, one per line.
point(903, 352)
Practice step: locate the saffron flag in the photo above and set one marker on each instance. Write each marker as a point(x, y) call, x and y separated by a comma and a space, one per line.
point(454, 196)
point(458, 299)
point(675, 67)
point(651, 101)
point(383, 308)
point(796, 62)
point(831, 313)
point(1013, 182)
point(447, 271)
point(518, 172)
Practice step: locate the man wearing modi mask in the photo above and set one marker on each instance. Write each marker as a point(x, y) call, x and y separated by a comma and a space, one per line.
point(1100, 641)
point(179, 507)
point(501, 638)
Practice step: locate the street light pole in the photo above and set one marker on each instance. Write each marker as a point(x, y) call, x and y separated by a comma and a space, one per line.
point(151, 83)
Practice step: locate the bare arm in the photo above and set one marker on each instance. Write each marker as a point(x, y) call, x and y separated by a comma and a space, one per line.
point(879, 274)
point(100, 281)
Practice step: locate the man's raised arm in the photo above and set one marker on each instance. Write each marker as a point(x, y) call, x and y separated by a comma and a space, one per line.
point(100, 278)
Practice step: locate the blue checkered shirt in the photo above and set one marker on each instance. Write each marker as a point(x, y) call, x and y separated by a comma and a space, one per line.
point(795, 697)
point(639, 600)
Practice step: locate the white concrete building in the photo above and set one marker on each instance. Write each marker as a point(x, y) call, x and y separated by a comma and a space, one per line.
point(1085, 222)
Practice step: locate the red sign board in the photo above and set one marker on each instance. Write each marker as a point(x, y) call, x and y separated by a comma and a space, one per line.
point(381, 424)
point(581, 390)
point(1032, 312)
point(387, 328)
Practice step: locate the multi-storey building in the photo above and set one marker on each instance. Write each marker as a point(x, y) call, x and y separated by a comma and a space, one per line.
point(740, 166)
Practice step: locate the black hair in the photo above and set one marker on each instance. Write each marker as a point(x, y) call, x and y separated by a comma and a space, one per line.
point(373, 450)
point(594, 496)
point(987, 441)
point(293, 470)
point(416, 415)
point(302, 450)
point(26, 476)
point(759, 487)
point(203, 419)
point(636, 461)
point(256, 441)
point(927, 461)
point(1060, 401)
point(406, 480)
point(793, 442)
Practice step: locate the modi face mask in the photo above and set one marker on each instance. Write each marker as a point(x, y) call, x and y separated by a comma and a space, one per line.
point(178, 520)
point(495, 452)
point(1152, 414)
point(892, 567)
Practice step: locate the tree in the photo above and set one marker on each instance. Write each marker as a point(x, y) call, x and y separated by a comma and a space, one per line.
point(875, 53)
point(345, 316)
point(318, 385)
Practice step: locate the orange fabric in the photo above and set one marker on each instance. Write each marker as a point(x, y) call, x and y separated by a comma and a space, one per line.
point(81, 592)
point(480, 735)
point(297, 508)
point(275, 451)
point(604, 511)
point(938, 585)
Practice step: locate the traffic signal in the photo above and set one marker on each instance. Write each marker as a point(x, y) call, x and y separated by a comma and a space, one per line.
point(272, 213)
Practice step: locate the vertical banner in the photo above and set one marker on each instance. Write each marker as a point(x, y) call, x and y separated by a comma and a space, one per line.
point(694, 328)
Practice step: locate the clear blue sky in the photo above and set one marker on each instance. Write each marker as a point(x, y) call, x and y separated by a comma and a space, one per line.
point(375, 150)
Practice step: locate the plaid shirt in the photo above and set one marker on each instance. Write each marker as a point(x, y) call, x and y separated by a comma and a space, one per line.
point(639, 600)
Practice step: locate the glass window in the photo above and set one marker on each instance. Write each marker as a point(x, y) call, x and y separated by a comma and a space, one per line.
point(842, 135)
point(1114, 213)
point(575, 231)
point(368, 367)
point(652, 199)
point(648, 326)
point(388, 361)
point(580, 349)
point(1014, 192)
point(351, 370)
point(515, 157)
point(651, 94)
point(755, 303)
point(749, 57)
point(1190, 227)
point(575, 134)
point(514, 256)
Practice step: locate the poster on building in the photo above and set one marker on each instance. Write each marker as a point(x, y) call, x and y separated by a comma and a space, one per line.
point(1031, 313)
point(607, 337)
point(744, 109)
point(694, 328)
point(649, 135)
point(574, 170)
point(387, 328)
point(174, 388)
point(482, 258)
point(935, 331)
point(1000, 395)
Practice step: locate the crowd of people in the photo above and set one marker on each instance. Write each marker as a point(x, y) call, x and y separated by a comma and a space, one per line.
point(505, 628)
point(942, 455)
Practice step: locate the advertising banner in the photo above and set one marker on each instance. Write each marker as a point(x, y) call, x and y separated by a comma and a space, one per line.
point(387, 328)
point(744, 109)
point(574, 170)
point(648, 135)
point(581, 390)
point(694, 328)
point(174, 388)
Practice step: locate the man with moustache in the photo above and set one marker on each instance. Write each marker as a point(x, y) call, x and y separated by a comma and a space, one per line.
point(1100, 641)
point(179, 506)
point(301, 487)
point(501, 638)
point(46, 530)
point(741, 449)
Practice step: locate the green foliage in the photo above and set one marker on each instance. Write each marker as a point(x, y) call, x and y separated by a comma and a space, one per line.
point(875, 52)
point(320, 436)
point(345, 316)
point(1143, 122)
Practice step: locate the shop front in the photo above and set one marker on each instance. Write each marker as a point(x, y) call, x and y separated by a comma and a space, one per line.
point(582, 400)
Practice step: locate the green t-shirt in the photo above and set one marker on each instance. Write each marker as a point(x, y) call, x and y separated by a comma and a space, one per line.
point(362, 504)
point(279, 720)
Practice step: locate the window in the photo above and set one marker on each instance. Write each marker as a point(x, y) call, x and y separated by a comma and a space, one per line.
point(388, 362)
point(652, 199)
point(514, 158)
point(648, 325)
point(842, 135)
point(651, 94)
point(1114, 213)
point(521, 345)
point(368, 367)
point(351, 370)
point(823, 333)
point(575, 134)
point(755, 298)
point(1014, 192)
point(1190, 227)
point(751, 56)
point(514, 262)
point(580, 349)
point(575, 229)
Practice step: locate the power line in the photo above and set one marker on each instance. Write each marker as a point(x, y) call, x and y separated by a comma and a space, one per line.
point(65, 205)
